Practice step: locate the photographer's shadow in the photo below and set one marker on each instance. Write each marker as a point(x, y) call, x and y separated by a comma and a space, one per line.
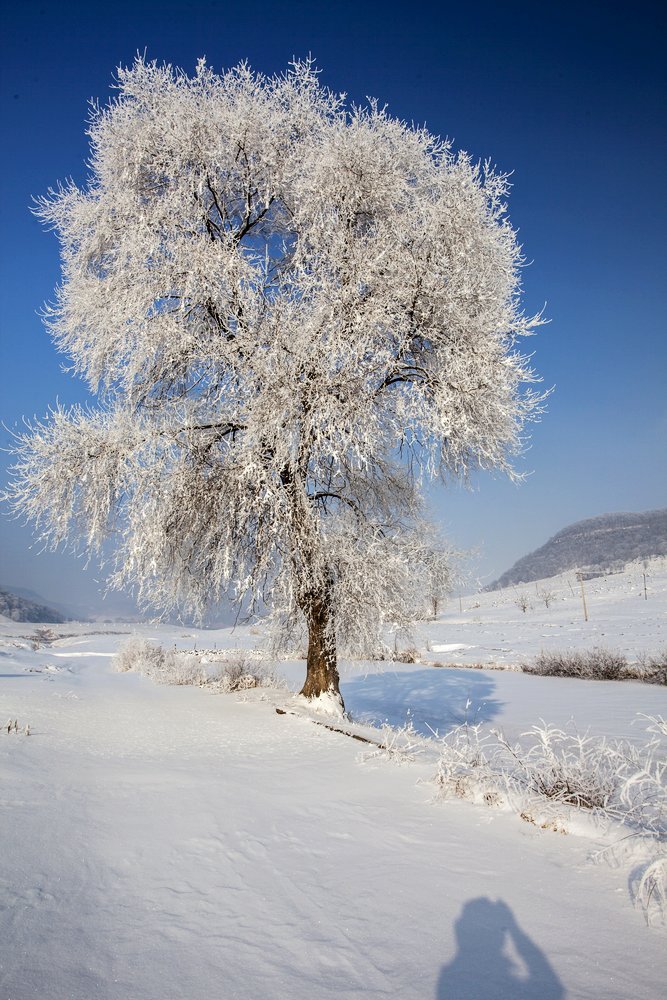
point(484, 969)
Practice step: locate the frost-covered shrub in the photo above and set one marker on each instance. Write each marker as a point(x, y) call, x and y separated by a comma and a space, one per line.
point(651, 668)
point(242, 673)
point(204, 669)
point(466, 766)
point(643, 770)
point(409, 655)
point(612, 778)
point(599, 664)
point(398, 744)
point(43, 636)
point(565, 767)
point(12, 726)
point(547, 596)
point(596, 664)
point(138, 655)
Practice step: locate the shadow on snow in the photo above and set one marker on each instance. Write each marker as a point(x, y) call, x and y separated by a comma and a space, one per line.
point(439, 699)
point(495, 958)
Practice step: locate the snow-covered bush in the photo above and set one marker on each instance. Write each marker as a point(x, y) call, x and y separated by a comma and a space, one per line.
point(409, 655)
point(564, 767)
point(466, 766)
point(43, 636)
point(534, 779)
point(398, 744)
point(204, 669)
point(138, 655)
point(600, 665)
point(611, 778)
point(12, 726)
point(547, 596)
point(652, 667)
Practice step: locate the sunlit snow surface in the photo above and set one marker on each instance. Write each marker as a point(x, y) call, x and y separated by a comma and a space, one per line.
point(163, 842)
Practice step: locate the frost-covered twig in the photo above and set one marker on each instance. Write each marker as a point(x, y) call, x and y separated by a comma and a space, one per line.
point(12, 726)
point(398, 744)
point(651, 889)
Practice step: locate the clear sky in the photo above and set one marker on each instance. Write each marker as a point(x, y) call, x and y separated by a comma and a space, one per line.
point(568, 96)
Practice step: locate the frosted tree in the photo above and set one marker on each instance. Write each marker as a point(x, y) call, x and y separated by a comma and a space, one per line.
point(291, 311)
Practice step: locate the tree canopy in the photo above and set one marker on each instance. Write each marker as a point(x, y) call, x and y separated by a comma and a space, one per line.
point(291, 310)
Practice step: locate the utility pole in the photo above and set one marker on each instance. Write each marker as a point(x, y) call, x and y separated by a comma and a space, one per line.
point(580, 577)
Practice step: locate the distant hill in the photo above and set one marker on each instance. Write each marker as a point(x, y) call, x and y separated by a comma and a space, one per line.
point(23, 609)
point(67, 612)
point(606, 542)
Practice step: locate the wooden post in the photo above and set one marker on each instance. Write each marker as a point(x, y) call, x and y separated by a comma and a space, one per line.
point(583, 595)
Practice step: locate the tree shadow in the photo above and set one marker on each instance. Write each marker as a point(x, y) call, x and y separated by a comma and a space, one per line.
point(496, 960)
point(435, 700)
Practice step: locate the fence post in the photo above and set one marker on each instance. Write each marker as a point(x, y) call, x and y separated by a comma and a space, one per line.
point(580, 577)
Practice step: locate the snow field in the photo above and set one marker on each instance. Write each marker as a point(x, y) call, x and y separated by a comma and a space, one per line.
point(490, 629)
point(162, 842)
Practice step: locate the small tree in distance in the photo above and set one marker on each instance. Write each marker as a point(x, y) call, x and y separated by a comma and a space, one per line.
point(291, 311)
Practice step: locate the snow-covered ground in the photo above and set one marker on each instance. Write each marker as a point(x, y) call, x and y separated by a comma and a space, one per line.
point(491, 628)
point(162, 842)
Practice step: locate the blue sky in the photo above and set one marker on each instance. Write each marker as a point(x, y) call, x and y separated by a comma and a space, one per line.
point(568, 96)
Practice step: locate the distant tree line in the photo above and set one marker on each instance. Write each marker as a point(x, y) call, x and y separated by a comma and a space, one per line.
point(21, 609)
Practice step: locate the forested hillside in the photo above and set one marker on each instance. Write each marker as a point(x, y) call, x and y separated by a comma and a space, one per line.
point(21, 609)
point(601, 543)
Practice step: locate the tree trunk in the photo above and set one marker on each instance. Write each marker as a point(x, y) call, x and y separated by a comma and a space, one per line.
point(321, 669)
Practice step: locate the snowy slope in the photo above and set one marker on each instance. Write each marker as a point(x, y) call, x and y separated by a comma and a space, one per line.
point(162, 842)
point(491, 628)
